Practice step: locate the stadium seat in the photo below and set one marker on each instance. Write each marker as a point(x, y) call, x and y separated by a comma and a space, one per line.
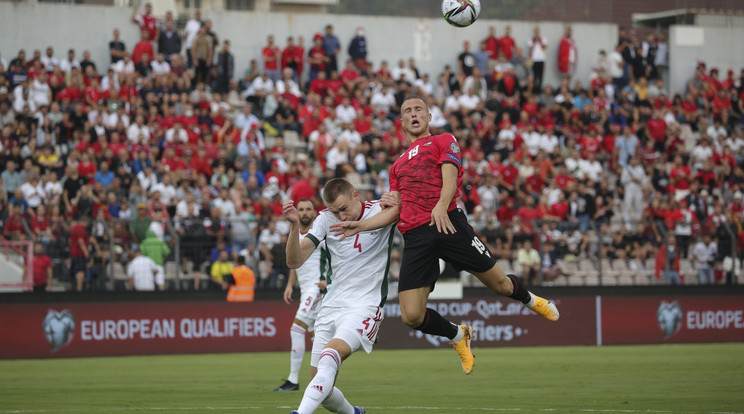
point(561, 281)
point(575, 280)
point(619, 264)
point(625, 279)
point(592, 280)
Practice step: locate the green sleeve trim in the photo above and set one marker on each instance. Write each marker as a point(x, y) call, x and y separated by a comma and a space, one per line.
point(312, 238)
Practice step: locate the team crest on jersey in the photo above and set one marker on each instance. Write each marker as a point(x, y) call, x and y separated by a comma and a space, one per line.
point(454, 148)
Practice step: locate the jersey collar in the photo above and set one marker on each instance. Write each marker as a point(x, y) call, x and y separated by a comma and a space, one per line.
point(364, 207)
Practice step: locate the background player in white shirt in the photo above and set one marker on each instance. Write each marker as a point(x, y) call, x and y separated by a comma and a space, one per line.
point(351, 311)
point(312, 283)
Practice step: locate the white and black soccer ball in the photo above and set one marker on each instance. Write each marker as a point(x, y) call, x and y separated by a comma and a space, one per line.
point(461, 13)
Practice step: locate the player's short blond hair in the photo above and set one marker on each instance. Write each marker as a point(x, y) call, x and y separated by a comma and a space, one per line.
point(336, 187)
point(412, 97)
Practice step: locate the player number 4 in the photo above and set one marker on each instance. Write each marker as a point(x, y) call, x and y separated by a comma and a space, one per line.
point(356, 244)
point(480, 247)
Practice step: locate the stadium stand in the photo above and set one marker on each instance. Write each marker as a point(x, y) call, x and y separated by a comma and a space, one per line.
point(601, 170)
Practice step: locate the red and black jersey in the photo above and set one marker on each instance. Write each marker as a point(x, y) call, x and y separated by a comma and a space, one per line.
point(417, 175)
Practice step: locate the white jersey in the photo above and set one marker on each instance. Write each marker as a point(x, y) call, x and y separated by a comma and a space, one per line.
point(309, 274)
point(358, 265)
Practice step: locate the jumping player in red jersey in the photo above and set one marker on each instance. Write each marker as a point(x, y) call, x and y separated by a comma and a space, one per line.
point(424, 183)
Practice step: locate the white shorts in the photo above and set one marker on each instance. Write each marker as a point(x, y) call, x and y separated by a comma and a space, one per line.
point(308, 310)
point(357, 327)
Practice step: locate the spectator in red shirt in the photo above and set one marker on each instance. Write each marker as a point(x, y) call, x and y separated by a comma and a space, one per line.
point(13, 227)
point(79, 251)
point(680, 176)
point(560, 209)
point(146, 21)
point(271, 57)
point(528, 214)
point(656, 130)
point(507, 43)
point(505, 214)
point(317, 57)
point(291, 58)
point(492, 48)
point(42, 269)
point(144, 46)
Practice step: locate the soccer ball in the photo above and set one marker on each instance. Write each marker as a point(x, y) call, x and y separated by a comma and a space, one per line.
point(460, 13)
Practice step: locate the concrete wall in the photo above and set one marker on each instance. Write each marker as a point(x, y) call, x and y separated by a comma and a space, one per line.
point(717, 47)
point(431, 41)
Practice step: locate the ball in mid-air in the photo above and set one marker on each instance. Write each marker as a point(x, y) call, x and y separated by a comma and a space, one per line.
point(460, 13)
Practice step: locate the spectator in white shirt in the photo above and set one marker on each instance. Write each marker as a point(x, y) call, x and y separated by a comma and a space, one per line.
point(345, 113)
point(49, 61)
point(143, 274)
point(110, 81)
point(260, 88)
point(120, 115)
point(590, 168)
point(548, 141)
point(166, 189)
point(22, 97)
point(41, 93)
point(704, 253)
point(192, 29)
point(33, 191)
point(147, 179)
point(350, 135)
point(701, 153)
point(423, 86)
point(383, 100)
point(138, 130)
point(159, 65)
point(70, 62)
point(225, 204)
point(401, 72)
point(177, 133)
point(287, 84)
point(469, 101)
point(187, 204)
point(478, 83)
point(124, 66)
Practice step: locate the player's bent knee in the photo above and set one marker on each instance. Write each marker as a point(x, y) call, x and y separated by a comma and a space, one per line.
point(412, 319)
point(343, 348)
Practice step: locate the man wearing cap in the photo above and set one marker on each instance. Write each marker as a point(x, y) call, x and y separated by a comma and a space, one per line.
point(139, 225)
point(318, 59)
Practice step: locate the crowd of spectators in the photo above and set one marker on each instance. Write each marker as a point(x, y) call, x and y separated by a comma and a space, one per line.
point(166, 142)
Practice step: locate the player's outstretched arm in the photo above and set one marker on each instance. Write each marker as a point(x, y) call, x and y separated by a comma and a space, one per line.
point(297, 251)
point(349, 228)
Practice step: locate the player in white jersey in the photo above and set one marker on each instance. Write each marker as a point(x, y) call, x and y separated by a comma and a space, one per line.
point(312, 283)
point(351, 311)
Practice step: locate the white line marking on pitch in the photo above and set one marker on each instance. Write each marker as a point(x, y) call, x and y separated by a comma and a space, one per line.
point(469, 409)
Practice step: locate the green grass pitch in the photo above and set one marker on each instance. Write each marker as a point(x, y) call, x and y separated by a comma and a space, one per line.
point(609, 379)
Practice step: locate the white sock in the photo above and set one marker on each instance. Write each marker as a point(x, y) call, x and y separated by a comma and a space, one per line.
point(460, 334)
point(531, 303)
point(297, 334)
point(336, 403)
point(320, 387)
